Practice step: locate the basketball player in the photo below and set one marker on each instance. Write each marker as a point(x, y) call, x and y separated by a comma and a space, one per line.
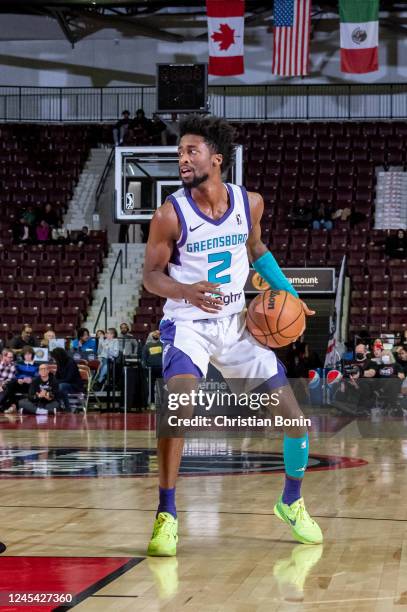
point(197, 257)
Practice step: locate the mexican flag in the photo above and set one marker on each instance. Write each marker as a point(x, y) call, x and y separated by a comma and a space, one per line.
point(359, 35)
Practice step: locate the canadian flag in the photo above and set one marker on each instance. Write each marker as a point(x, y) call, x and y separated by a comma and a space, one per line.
point(225, 33)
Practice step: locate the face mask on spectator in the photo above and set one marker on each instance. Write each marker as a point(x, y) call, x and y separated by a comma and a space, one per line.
point(360, 356)
point(385, 359)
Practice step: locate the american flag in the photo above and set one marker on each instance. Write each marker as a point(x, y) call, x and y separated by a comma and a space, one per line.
point(292, 24)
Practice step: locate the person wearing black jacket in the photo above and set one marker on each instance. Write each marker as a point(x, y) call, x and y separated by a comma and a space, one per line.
point(42, 395)
point(67, 375)
point(121, 128)
point(25, 338)
point(396, 246)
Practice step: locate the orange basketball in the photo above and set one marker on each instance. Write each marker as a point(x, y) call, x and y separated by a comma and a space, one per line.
point(275, 318)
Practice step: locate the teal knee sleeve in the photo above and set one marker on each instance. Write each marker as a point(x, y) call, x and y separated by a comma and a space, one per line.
point(296, 456)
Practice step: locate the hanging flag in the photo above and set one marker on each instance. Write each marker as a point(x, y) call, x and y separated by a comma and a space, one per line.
point(359, 35)
point(225, 33)
point(292, 26)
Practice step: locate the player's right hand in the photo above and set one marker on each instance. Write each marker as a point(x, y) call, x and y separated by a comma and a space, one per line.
point(204, 295)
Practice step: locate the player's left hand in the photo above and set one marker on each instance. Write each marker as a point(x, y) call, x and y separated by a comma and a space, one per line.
point(307, 311)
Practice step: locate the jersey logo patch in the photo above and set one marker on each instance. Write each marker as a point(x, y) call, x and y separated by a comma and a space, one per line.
point(192, 229)
point(238, 219)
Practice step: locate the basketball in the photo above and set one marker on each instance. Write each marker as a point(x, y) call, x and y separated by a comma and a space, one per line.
point(275, 318)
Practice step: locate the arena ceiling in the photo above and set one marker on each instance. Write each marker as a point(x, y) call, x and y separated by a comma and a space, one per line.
point(159, 18)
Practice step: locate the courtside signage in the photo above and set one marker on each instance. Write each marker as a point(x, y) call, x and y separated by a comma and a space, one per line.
point(304, 280)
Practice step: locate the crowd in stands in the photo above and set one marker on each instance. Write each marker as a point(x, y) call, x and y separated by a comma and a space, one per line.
point(31, 386)
point(319, 215)
point(42, 227)
point(157, 130)
point(374, 375)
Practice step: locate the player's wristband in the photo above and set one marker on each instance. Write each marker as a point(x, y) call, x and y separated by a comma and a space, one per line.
point(269, 269)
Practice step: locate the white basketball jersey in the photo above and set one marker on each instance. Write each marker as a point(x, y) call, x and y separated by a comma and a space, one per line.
point(210, 250)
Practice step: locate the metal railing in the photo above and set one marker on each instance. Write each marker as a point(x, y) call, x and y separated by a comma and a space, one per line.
point(235, 102)
point(119, 259)
point(103, 178)
point(103, 308)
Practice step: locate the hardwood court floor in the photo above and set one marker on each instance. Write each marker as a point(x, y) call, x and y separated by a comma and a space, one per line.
point(234, 554)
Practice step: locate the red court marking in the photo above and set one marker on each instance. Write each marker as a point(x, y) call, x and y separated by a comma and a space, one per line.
point(79, 576)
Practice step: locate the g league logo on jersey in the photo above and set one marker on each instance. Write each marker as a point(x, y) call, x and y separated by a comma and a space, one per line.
point(238, 219)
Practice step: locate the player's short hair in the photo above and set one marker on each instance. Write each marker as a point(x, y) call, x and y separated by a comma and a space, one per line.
point(217, 133)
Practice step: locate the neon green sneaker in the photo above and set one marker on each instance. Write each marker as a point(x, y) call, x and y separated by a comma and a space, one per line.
point(292, 572)
point(164, 540)
point(303, 528)
point(165, 574)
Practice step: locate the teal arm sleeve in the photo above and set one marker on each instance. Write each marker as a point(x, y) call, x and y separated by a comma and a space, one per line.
point(269, 269)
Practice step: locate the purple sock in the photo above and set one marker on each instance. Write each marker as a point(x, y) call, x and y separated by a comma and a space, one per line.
point(292, 490)
point(167, 501)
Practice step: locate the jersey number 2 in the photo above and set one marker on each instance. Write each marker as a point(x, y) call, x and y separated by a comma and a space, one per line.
point(225, 260)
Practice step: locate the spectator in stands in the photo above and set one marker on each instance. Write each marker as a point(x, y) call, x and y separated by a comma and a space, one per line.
point(67, 375)
point(48, 335)
point(26, 370)
point(21, 232)
point(322, 216)
point(378, 349)
point(50, 216)
point(128, 343)
point(396, 246)
point(125, 331)
point(108, 350)
point(361, 363)
point(151, 359)
point(29, 216)
point(390, 366)
point(354, 216)
point(391, 376)
point(42, 394)
point(356, 389)
point(100, 335)
point(140, 121)
point(121, 128)
point(7, 371)
point(402, 361)
point(60, 235)
point(43, 231)
point(401, 358)
point(84, 342)
point(83, 235)
point(17, 343)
